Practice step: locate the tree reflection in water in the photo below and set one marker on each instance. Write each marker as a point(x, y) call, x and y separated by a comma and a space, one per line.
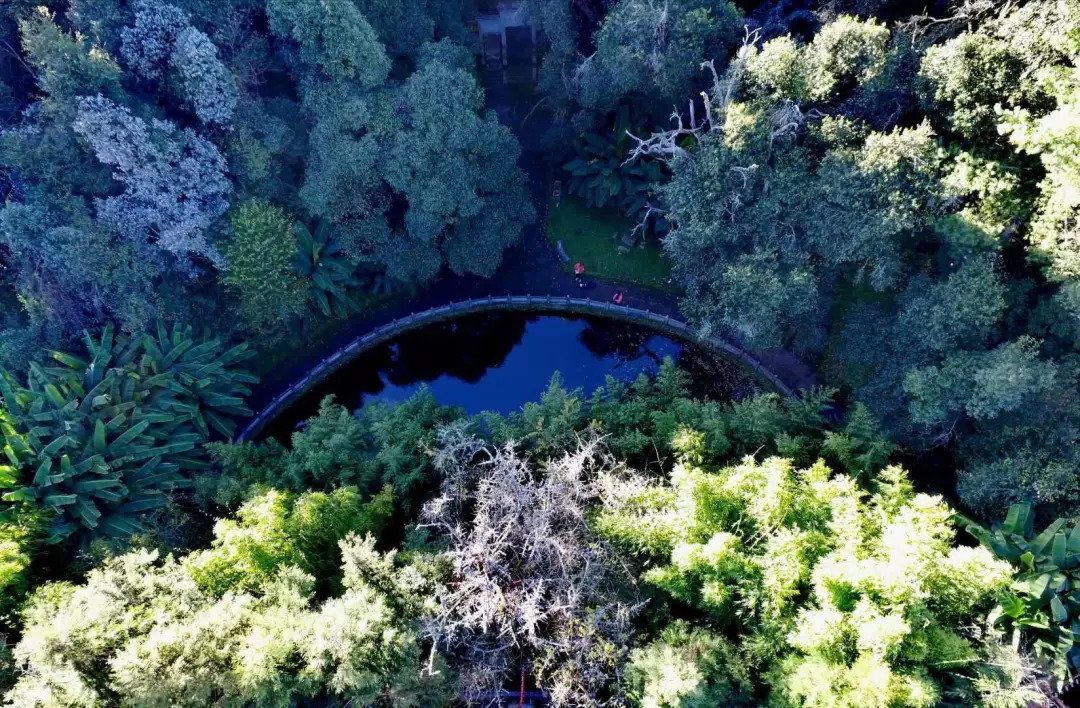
point(498, 361)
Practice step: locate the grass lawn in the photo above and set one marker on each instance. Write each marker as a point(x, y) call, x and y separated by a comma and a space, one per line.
point(587, 237)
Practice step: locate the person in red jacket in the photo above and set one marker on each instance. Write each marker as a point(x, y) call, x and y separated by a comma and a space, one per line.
point(617, 297)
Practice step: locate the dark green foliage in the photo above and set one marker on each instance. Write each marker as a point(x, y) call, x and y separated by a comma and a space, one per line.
point(319, 258)
point(601, 173)
point(102, 439)
point(379, 447)
point(641, 420)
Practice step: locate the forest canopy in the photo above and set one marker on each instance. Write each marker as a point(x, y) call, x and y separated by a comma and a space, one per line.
point(203, 197)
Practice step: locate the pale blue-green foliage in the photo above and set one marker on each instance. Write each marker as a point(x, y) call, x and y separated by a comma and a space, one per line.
point(162, 44)
point(204, 82)
point(174, 180)
point(844, 599)
point(147, 44)
point(140, 631)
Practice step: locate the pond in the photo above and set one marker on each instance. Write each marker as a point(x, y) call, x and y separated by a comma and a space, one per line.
point(499, 361)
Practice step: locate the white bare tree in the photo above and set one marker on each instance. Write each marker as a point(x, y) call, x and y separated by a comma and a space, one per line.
point(533, 590)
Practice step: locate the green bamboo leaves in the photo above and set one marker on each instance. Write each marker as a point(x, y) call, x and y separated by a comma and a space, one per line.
point(102, 439)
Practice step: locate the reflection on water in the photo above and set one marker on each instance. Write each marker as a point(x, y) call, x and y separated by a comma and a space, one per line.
point(499, 361)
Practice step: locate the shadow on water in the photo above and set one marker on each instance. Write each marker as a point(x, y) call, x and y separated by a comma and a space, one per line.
point(499, 361)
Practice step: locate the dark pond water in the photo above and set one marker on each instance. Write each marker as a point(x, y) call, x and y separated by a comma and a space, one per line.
point(499, 361)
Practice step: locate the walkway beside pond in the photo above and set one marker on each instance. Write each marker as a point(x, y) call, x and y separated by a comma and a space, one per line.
point(530, 268)
point(661, 322)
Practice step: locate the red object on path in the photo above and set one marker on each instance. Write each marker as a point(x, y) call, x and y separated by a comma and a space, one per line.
point(618, 298)
point(579, 268)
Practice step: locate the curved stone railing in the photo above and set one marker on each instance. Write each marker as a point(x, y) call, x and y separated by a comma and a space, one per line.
point(547, 303)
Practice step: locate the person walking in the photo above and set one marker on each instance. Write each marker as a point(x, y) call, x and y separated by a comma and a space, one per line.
point(579, 274)
point(617, 298)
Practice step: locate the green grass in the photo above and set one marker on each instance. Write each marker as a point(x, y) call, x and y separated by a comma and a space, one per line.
point(587, 237)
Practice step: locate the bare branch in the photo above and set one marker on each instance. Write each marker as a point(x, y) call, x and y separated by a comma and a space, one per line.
point(664, 144)
point(531, 584)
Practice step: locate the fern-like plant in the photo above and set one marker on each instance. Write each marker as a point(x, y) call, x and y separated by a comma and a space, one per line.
point(98, 441)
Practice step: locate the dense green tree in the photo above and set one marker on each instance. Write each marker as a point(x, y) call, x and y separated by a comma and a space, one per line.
point(275, 529)
point(965, 77)
point(836, 599)
point(688, 668)
point(72, 273)
point(333, 39)
point(457, 170)
point(66, 66)
point(846, 51)
point(142, 631)
point(379, 446)
point(980, 384)
point(260, 256)
point(960, 310)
